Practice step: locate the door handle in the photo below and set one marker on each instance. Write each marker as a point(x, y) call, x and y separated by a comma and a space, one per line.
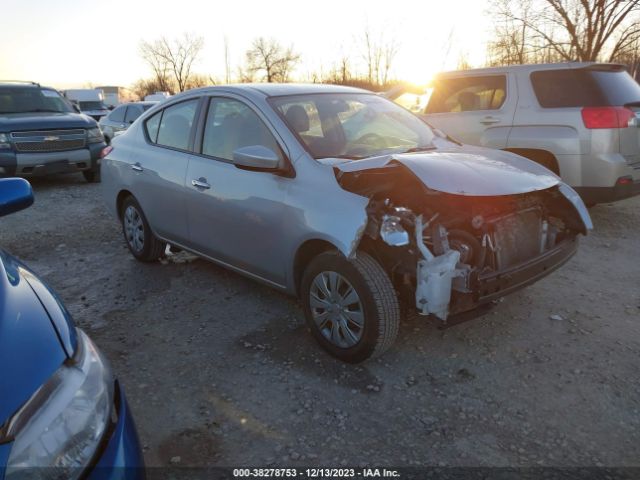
point(137, 167)
point(201, 183)
point(489, 120)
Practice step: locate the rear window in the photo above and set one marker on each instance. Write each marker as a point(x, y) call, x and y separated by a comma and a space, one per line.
point(118, 114)
point(584, 88)
point(175, 125)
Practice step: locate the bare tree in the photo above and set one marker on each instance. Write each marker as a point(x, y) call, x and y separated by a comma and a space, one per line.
point(583, 30)
point(272, 61)
point(172, 59)
point(378, 52)
point(144, 87)
point(227, 62)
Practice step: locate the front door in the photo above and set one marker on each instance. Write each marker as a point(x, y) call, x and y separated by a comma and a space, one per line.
point(236, 215)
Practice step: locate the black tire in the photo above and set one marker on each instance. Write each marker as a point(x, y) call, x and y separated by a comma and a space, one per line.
point(377, 297)
point(91, 176)
point(151, 248)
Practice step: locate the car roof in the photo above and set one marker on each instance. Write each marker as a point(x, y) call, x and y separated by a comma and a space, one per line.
point(528, 68)
point(279, 89)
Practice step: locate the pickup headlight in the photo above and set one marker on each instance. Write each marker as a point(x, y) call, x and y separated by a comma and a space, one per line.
point(4, 141)
point(62, 424)
point(94, 135)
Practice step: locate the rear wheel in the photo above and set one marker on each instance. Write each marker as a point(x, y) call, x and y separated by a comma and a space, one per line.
point(350, 306)
point(142, 243)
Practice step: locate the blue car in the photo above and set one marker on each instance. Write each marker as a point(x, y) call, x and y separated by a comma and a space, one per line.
point(62, 413)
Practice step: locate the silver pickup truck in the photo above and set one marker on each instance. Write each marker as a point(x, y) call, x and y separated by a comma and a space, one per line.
point(580, 120)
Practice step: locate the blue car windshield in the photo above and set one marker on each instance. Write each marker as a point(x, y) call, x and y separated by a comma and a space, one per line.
point(31, 100)
point(346, 125)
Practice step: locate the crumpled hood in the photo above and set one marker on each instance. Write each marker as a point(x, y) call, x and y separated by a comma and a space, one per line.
point(465, 170)
point(30, 340)
point(15, 122)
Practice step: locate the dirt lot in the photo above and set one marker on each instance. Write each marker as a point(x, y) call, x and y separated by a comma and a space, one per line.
point(221, 371)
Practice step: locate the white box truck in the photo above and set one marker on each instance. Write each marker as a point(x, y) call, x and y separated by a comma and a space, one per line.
point(88, 100)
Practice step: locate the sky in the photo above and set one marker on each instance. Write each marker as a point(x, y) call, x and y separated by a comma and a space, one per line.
point(71, 43)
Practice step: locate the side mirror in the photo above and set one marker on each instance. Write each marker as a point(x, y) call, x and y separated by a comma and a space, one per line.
point(15, 195)
point(256, 156)
point(76, 108)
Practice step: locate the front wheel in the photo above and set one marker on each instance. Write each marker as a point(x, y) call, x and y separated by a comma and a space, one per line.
point(142, 243)
point(350, 306)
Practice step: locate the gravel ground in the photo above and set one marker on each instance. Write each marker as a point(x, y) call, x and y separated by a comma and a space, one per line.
point(220, 370)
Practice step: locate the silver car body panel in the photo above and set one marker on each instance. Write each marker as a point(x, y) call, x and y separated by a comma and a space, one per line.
point(256, 222)
point(268, 216)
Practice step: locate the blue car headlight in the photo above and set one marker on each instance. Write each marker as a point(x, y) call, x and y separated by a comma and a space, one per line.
point(62, 424)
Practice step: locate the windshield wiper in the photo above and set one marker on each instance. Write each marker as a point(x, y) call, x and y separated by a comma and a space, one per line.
point(347, 157)
point(420, 149)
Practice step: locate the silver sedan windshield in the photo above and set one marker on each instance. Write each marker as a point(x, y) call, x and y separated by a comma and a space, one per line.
point(352, 125)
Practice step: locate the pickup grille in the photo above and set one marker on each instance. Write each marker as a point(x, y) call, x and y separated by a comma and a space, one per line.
point(50, 146)
point(49, 140)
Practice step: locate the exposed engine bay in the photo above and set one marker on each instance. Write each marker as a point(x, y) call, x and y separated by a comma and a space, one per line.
point(448, 253)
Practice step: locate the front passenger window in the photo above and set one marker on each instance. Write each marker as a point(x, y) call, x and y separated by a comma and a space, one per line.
point(231, 125)
point(175, 126)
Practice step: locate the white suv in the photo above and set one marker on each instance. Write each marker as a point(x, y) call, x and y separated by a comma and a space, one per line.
point(577, 119)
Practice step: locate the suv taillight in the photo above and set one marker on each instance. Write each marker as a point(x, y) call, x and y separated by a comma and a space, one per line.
point(606, 117)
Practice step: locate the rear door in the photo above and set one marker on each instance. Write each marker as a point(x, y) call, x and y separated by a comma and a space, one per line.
point(477, 110)
point(236, 215)
point(160, 168)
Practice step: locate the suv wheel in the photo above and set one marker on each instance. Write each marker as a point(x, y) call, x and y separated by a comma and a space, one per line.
point(350, 306)
point(142, 243)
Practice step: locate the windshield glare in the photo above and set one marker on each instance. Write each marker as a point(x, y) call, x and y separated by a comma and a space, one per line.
point(352, 125)
point(31, 99)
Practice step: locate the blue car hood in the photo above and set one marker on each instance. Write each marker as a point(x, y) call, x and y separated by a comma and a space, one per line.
point(35, 338)
point(13, 122)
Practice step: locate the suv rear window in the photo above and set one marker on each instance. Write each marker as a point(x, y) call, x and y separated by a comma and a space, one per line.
point(585, 87)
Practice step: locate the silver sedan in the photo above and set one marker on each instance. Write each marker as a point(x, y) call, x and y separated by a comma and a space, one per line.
point(342, 198)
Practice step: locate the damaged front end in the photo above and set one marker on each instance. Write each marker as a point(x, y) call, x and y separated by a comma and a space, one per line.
point(448, 253)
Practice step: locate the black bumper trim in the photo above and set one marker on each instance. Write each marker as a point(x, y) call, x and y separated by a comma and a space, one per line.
point(593, 195)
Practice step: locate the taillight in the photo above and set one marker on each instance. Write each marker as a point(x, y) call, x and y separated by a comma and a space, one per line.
point(606, 117)
point(626, 180)
point(105, 151)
